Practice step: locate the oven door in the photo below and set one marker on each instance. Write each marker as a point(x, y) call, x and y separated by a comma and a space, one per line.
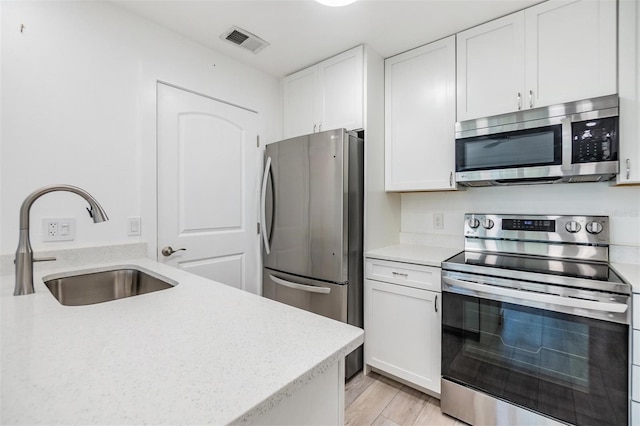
point(567, 366)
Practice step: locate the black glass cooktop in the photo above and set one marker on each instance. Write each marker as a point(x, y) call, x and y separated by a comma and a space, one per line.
point(539, 265)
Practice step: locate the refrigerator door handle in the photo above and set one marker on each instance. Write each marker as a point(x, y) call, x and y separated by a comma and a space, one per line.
point(263, 206)
point(308, 288)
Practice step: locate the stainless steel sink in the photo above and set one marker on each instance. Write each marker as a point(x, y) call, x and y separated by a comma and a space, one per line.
point(86, 288)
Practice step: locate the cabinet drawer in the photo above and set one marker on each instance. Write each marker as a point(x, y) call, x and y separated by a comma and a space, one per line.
point(407, 274)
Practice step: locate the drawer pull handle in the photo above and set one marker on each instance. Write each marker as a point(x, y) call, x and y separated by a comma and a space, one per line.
point(399, 274)
point(435, 303)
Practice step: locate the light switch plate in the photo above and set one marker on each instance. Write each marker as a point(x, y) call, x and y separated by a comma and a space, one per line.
point(134, 226)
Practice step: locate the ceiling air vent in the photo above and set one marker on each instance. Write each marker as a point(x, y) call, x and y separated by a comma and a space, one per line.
point(244, 39)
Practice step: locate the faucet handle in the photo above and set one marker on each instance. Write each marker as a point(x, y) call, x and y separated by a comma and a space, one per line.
point(42, 259)
point(45, 259)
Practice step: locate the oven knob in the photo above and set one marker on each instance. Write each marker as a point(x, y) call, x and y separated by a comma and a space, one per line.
point(572, 226)
point(487, 223)
point(594, 227)
point(474, 223)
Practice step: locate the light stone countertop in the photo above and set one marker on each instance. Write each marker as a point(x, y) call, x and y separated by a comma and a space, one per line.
point(414, 253)
point(630, 272)
point(199, 353)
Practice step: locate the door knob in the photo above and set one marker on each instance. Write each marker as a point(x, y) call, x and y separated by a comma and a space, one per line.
point(168, 251)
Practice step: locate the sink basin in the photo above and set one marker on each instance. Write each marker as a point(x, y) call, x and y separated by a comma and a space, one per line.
point(87, 288)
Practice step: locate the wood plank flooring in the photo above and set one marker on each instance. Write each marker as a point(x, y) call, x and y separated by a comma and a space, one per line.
point(375, 400)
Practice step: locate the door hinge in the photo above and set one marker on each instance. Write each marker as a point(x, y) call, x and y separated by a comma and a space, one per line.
point(258, 228)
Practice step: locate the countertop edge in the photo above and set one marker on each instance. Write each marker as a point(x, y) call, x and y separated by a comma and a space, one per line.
point(286, 392)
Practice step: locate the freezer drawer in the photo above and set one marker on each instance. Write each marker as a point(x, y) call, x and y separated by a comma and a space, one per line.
point(329, 300)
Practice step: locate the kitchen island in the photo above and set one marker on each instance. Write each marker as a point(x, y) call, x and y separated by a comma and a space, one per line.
point(198, 353)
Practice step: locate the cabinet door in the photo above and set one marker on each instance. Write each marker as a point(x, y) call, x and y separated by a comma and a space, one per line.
point(629, 91)
point(570, 51)
point(403, 332)
point(340, 82)
point(420, 118)
point(490, 71)
point(300, 104)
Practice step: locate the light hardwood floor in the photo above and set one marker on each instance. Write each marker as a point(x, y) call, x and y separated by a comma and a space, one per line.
point(375, 400)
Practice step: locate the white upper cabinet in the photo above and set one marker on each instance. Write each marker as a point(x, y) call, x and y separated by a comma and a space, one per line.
point(629, 91)
point(420, 118)
point(570, 51)
point(490, 71)
point(557, 51)
point(300, 103)
point(326, 96)
point(341, 91)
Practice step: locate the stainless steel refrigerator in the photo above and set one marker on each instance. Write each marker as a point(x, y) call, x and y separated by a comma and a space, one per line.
point(312, 226)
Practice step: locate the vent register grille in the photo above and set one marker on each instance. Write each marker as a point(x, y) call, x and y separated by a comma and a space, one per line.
point(244, 39)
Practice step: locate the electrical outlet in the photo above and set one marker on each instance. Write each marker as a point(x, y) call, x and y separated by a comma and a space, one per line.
point(438, 221)
point(52, 229)
point(59, 229)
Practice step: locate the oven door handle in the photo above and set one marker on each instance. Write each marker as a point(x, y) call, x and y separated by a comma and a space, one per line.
point(536, 297)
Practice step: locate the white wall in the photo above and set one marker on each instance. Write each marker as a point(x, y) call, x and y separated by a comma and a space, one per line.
point(78, 107)
point(382, 211)
point(621, 204)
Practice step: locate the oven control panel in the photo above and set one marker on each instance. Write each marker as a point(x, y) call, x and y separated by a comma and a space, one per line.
point(545, 228)
point(542, 225)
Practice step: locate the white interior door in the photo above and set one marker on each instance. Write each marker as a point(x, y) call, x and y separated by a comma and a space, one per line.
point(207, 187)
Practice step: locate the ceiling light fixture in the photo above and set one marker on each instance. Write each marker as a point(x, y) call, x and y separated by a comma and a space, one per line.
point(336, 3)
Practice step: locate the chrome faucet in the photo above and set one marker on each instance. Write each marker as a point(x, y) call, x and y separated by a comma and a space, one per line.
point(24, 255)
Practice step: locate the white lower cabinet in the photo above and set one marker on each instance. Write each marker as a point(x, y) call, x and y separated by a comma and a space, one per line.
point(402, 323)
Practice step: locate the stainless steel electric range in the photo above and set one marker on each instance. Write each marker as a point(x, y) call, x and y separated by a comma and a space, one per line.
point(535, 323)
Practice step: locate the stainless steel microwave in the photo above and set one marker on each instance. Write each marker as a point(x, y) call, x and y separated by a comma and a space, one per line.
point(572, 142)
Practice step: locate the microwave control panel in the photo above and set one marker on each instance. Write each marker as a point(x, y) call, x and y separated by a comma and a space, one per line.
point(595, 140)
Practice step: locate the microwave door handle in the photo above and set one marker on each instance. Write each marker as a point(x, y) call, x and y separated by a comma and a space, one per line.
point(525, 181)
point(296, 286)
point(263, 206)
point(567, 136)
point(537, 297)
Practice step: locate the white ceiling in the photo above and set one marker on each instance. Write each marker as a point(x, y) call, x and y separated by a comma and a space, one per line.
point(303, 32)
